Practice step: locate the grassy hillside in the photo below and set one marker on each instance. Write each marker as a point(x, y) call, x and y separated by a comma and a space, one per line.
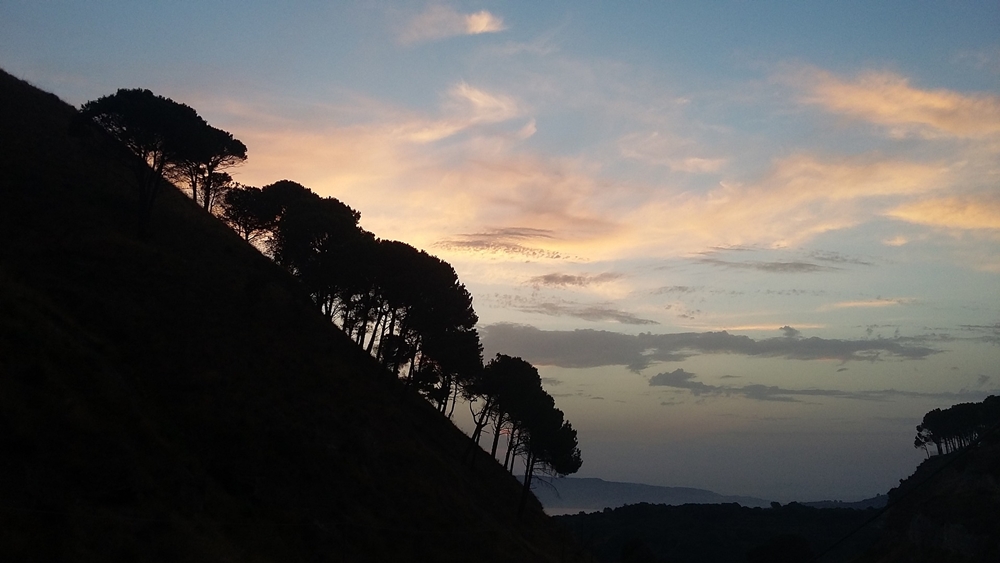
point(176, 398)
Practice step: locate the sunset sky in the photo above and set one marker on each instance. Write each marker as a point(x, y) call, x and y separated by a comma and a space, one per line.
point(748, 244)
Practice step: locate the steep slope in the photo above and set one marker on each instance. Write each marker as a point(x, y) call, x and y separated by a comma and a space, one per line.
point(946, 511)
point(175, 397)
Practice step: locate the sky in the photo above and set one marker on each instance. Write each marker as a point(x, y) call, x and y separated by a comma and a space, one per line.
point(748, 244)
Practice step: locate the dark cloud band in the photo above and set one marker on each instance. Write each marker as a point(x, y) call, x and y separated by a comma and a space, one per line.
point(680, 379)
point(594, 348)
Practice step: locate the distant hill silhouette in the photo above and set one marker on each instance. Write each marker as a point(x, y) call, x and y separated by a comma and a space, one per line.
point(944, 512)
point(176, 397)
point(573, 494)
point(877, 501)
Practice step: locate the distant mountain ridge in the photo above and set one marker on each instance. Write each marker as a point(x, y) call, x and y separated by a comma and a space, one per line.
point(573, 494)
point(877, 501)
point(570, 495)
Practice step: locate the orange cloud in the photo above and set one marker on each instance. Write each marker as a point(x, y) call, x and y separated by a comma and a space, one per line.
point(430, 180)
point(959, 212)
point(799, 198)
point(410, 187)
point(897, 240)
point(888, 99)
point(440, 22)
point(869, 303)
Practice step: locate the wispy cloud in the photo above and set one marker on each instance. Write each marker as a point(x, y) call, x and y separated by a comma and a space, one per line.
point(980, 211)
point(987, 333)
point(839, 258)
point(770, 267)
point(682, 289)
point(595, 312)
point(587, 312)
point(511, 241)
point(486, 106)
point(418, 178)
point(868, 303)
point(465, 107)
point(593, 348)
point(888, 99)
point(446, 180)
point(987, 59)
point(676, 154)
point(680, 379)
point(567, 280)
point(438, 22)
point(800, 197)
point(767, 328)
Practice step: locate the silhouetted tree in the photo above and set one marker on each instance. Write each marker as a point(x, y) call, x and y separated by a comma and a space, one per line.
point(153, 128)
point(255, 212)
point(318, 240)
point(551, 444)
point(406, 308)
point(249, 212)
point(517, 404)
point(507, 383)
point(207, 152)
point(957, 426)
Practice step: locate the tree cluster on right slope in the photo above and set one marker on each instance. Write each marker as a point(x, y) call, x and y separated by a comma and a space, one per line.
point(957, 426)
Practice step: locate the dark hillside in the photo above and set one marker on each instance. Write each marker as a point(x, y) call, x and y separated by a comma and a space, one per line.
point(946, 511)
point(176, 398)
point(723, 533)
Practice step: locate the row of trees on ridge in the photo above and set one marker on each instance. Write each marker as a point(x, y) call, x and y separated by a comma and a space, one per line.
point(957, 426)
point(405, 307)
point(164, 139)
point(511, 399)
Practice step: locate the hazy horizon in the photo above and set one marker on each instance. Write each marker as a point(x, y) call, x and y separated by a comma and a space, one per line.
point(747, 244)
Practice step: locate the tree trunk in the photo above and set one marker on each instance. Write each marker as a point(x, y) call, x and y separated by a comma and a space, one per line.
point(481, 422)
point(454, 401)
point(387, 329)
point(375, 328)
point(498, 425)
point(511, 445)
point(529, 470)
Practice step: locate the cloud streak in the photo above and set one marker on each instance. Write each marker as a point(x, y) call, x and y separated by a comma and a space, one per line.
point(770, 267)
point(441, 22)
point(510, 241)
point(661, 150)
point(446, 181)
point(595, 348)
point(586, 311)
point(867, 304)
point(570, 280)
point(888, 99)
point(680, 379)
point(958, 212)
point(800, 197)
